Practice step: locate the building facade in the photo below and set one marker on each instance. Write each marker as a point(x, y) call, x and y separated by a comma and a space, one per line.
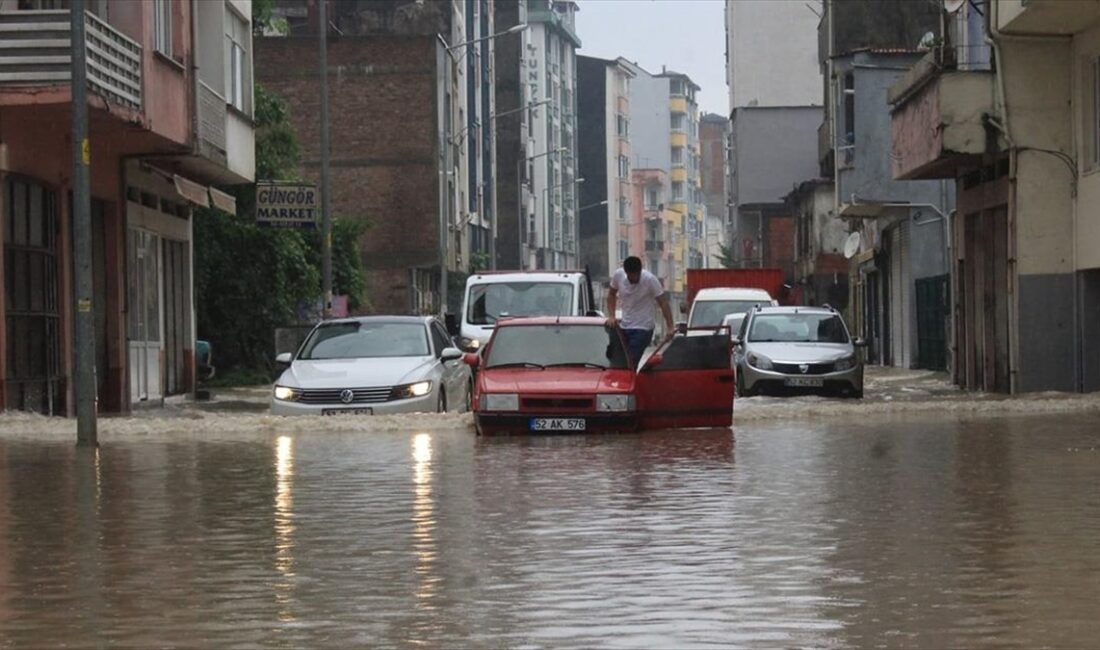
point(714, 131)
point(1012, 91)
point(775, 90)
point(665, 123)
point(412, 143)
point(606, 194)
point(170, 113)
point(652, 231)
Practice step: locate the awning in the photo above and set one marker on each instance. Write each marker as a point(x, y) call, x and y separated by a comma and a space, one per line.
point(872, 209)
point(192, 191)
point(225, 202)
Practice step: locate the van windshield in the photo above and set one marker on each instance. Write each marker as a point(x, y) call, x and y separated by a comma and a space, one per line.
point(490, 302)
point(709, 313)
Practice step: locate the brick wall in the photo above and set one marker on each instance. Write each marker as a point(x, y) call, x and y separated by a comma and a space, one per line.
point(779, 248)
point(382, 108)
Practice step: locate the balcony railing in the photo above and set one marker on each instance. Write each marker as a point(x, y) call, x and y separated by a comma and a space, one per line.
point(654, 247)
point(35, 51)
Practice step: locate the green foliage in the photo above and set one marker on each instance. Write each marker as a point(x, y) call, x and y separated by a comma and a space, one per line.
point(725, 256)
point(250, 280)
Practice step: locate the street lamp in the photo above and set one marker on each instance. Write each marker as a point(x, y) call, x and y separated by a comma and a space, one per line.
point(455, 138)
point(514, 29)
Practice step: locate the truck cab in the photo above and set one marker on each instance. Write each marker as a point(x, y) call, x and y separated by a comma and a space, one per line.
point(712, 305)
point(490, 297)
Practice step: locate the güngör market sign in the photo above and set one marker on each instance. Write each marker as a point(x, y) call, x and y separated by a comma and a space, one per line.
point(286, 205)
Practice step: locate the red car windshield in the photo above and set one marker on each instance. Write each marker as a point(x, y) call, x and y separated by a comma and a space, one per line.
point(556, 345)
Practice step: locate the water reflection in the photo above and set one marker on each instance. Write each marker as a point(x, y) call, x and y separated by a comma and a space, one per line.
point(284, 525)
point(423, 517)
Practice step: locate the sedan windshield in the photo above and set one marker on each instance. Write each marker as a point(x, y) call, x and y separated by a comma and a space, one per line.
point(710, 313)
point(489, 302)
point(557, 345)
point(798, 328)
point(356, 340)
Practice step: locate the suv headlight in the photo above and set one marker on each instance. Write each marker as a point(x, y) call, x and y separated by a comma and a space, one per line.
point(615, 402)
point(500, 402)
point(407, 391)
point(757, 361)
point(847, 363)
point(285, 394)
point(469, 345)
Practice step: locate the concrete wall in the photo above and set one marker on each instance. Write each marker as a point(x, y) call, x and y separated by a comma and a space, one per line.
point(1086, 49)
point(774, 148)
point(771, 51)
point(649, 120)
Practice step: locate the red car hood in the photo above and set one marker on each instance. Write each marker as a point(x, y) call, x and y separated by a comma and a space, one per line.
point(581, 381)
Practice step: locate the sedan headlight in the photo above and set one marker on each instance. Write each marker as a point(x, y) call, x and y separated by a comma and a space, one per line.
point(616, 402)
point(757, 361)
point(285, 394)
point(500, 402)
point(847, 363)
point(407, 391)
point(469, 345)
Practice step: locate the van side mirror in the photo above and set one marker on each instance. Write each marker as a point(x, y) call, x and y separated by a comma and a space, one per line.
point(859, 342)
point(284, 358)
point(683, 308)
point(681, 327)
point(472, 359)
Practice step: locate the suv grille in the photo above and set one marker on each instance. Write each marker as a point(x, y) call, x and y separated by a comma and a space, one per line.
point(332, 395)
point(814, 369)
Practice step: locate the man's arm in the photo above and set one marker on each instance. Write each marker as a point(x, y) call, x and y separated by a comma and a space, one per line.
point(662, 300)
point(612, 304)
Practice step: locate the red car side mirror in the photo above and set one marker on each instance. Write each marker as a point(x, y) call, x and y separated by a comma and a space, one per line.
point(472, 359)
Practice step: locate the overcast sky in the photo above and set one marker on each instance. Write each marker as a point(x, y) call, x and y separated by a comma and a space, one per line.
point(686, 35)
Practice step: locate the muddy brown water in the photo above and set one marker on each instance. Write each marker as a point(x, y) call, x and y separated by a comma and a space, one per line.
point(902, 532)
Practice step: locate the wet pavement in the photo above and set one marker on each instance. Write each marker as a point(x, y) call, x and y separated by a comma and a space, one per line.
point(219, 530)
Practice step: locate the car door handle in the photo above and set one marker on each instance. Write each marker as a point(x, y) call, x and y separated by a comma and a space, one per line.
point(724, 379)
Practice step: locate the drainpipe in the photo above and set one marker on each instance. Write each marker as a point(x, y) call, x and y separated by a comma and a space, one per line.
point(195, 139)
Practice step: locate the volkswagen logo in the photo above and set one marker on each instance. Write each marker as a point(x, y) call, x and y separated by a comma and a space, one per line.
point(804, 368)
point(347, 395)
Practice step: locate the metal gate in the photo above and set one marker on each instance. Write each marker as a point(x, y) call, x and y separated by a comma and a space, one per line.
point(932, 313)
point(33, 318)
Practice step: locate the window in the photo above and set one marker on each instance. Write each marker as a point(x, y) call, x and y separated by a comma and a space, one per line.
point(652, 197)
point(623, 126)
point(624, 210)
point(238, 63)
point(678, 191)
point(676, 87)
point(849, 108)
point(678, 156)
point(624, 167)
point(676, 121)
point(624, 251)
point(440, 339)
point(162, 26)
point(1092, 114)
point(366, 340)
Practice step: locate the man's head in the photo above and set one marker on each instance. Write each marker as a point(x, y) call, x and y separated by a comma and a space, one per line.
point(633, 267)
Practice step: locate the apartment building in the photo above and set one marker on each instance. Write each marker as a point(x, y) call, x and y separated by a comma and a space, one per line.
point(170, 113)
point(714, 133)
point(606, 194)
point(412, 143)
point(1012, 95)
point(652, 228)
point(665, 122)
point(775, 89)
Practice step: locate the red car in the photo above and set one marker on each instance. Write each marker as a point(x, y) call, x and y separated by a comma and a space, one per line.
point(572, 374)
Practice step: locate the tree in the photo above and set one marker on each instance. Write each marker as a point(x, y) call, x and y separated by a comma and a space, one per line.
point(725, 256)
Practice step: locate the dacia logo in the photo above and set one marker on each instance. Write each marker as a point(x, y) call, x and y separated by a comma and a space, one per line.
point(804, 367)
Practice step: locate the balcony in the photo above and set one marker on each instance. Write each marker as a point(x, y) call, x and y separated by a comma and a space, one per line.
point(652, 246)
point(677, 104)
point(35, 51)
point(1045, 16)
point(937, 119)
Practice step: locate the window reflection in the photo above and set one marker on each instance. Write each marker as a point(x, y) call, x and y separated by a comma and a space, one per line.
point(423, 516)
point(284, 524)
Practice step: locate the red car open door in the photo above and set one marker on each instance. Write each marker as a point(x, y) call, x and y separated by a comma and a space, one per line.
point(687, 382)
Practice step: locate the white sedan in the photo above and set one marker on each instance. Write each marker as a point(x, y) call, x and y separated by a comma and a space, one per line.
point(374, 365)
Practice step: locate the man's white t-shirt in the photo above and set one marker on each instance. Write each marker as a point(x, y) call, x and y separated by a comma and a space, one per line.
point(638, 302)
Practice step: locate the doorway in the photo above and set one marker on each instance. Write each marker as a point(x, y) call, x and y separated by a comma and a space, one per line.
point(143, 254)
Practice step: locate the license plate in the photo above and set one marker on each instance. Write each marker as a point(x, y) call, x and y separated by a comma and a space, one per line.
point(558, 424)
point(359, 411)
point(804, 382)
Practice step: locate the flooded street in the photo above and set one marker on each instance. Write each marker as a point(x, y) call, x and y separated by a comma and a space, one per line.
point(895, 532)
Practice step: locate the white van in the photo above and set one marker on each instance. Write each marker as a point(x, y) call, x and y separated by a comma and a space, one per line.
point(492, 296)
point(711, 306)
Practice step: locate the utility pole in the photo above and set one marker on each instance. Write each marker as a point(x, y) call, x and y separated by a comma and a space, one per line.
point(326, 181)
point(84, 332)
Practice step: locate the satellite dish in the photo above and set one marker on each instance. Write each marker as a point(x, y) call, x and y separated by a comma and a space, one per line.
point(851, 245)
point(953, 6)
point(927, 40)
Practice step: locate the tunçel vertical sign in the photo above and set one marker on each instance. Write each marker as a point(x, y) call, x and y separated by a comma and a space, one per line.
point(286, 205)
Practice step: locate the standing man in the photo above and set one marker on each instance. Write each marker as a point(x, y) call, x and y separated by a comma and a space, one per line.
point(639, 292)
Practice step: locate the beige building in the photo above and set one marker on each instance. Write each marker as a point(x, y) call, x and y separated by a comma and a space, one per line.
point(1008, 108)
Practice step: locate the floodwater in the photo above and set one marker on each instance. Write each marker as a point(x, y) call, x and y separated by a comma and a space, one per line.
point(920, 531)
